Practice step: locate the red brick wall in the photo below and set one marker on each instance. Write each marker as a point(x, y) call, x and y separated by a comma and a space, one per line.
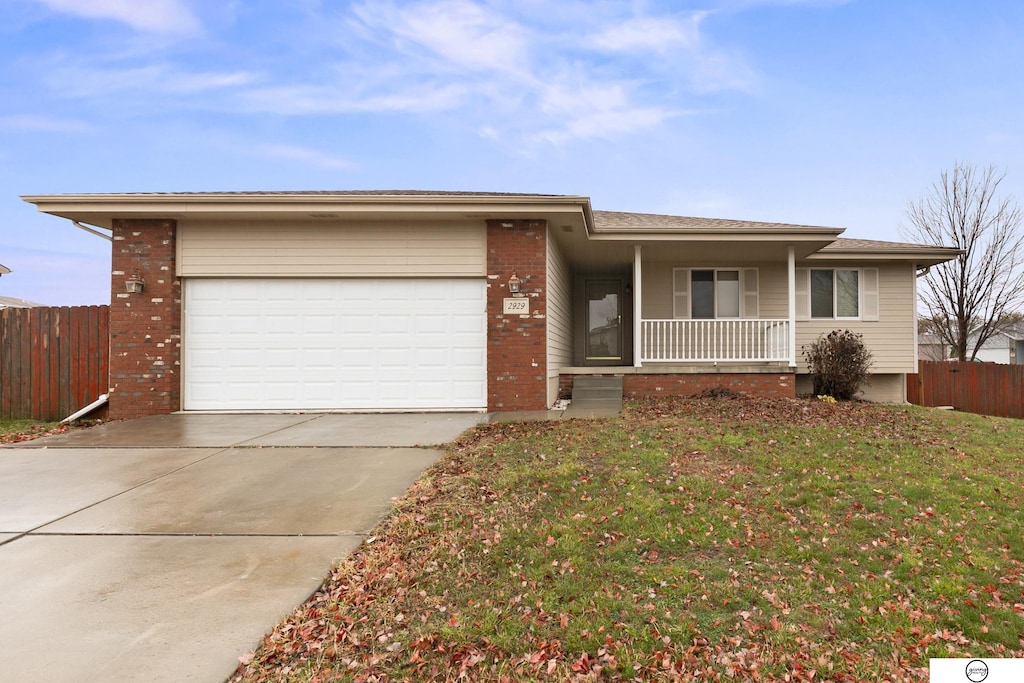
point(145, 328)
point(751, 384)
point(565, 383)
point(517, 345)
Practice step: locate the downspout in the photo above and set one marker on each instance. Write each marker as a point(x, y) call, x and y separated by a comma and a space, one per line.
point(88, 229)
point(88, 409)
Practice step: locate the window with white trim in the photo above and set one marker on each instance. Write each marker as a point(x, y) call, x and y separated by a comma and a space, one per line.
point(837, 293)
point(714, 293)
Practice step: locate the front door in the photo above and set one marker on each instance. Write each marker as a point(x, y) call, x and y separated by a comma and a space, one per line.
point(604, 320)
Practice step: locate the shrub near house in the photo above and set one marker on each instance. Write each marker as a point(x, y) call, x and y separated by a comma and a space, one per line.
point(840, 364)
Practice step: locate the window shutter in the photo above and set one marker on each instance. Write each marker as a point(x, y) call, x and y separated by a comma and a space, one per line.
point(680, 292)
point(803, 295)
point(869, 296)
point(750, 303)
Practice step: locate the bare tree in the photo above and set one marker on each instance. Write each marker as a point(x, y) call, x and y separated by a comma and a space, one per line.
point(969, 297)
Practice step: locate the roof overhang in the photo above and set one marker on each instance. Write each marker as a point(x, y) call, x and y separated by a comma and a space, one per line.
point(920, 255)
point(102, 209)
point(589, 237)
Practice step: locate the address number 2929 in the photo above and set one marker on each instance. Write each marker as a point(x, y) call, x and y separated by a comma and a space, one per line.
point(516, 306)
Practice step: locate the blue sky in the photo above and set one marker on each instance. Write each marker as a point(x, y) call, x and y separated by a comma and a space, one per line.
point(823, 112)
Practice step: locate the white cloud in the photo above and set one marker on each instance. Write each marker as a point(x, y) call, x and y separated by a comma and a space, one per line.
point(513, 72)
point(606, 123)
point(304, 155)
point(647, 34)
point(41, 123)
point(462, 33)
point(595, 110)
point(312, 100)
point(517, 75)
point(90, 82)
point(154, 16)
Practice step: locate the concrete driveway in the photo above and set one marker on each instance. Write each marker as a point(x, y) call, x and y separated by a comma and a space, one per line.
point(162, 549)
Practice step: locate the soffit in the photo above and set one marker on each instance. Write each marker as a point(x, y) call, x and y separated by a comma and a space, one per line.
point(102, 209)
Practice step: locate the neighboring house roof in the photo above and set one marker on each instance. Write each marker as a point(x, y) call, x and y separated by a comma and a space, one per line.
point(1002, 337)
point(1014, 331)
point(11, 302)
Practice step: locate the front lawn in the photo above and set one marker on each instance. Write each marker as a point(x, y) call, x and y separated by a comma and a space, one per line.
point(717, 539)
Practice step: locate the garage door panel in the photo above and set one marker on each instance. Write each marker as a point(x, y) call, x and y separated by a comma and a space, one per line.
point(334, 344)
point(432, 358)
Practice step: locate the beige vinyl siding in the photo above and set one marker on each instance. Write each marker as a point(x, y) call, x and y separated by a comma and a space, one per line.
point(773, 290)
point(656, 289)
point(559, 321)
point(331, 249)
point(657, 292)
point(891, 337)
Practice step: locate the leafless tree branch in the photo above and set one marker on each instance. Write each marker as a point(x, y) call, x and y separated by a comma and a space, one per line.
point(970, 297)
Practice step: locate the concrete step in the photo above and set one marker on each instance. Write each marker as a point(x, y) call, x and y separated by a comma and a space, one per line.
point(597, 393)
point(586, 387)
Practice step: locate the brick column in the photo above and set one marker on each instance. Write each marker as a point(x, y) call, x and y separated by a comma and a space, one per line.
point(145, 328)
point(517, 344)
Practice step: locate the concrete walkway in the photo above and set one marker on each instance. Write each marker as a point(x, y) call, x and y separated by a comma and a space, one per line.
point(162, 549)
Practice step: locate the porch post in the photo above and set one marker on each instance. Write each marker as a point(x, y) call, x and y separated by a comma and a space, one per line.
point(637, 309)
point(791, 267)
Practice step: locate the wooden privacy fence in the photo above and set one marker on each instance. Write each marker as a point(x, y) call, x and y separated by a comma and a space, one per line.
point(53, 361)
point(984, 388)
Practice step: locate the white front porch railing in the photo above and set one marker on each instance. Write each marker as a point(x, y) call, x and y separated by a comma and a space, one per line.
point(687, 341)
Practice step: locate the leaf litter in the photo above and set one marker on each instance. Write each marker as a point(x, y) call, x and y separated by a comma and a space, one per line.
point(719, 539)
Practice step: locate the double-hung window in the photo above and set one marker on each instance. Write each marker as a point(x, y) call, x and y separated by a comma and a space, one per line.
point(714, 293)
point(837, 293)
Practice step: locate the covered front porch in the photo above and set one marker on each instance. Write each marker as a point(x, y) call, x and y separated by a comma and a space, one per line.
point(658, 311)
point(680, 305)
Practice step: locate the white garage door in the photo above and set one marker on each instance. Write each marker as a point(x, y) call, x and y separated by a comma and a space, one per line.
point(317, 344)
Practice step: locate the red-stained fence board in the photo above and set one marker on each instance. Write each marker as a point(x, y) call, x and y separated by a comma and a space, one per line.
point(53, 361)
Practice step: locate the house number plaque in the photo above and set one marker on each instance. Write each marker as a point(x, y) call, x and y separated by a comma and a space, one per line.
point(516, 306)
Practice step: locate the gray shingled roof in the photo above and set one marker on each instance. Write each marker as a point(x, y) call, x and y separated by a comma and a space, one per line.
point(845, 244)
point(648, 222)
point(332, 193)
point(604, 221)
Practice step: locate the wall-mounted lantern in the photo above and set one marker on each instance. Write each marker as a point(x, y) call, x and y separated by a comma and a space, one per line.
point(134, 284)
point(514, 285)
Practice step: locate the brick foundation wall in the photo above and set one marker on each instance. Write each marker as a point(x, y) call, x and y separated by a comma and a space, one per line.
point(781, 385)
point(517, 344)
point(565, 383)
point(145, 328)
